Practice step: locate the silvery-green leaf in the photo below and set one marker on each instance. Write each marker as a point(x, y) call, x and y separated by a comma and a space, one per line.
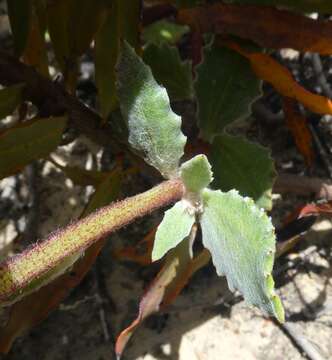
point(241, 240)
point(176, 225)
point(154, 129)
point(196, 173)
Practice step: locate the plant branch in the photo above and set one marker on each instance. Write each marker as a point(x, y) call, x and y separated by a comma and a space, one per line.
point(38, 262)
point(302, 185)
point(52, 99)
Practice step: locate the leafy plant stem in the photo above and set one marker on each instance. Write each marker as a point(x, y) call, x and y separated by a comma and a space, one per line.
point(37, 262)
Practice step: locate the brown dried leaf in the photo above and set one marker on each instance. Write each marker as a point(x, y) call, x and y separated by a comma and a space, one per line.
point(141, 253)
point(271, 27)
point(298, 126)
point(171, 279)
point(282, 80)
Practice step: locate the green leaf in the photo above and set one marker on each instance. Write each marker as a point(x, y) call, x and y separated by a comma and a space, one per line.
point(164, 31)
point(10, 98)
point(245, 166)
point(196, 173)
point(32, 140)
point(241, 240)
point(153, 127)
point(226, 87)
point(58, 15)
point(170, 71)
point(322, 6)
point(19, 13)
point(122, 22)
point(176, 225)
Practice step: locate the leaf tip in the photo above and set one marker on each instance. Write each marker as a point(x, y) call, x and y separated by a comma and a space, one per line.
point(196, 173)
point(278, 308)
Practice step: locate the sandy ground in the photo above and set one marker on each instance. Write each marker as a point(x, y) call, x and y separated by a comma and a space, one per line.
point(205, 322)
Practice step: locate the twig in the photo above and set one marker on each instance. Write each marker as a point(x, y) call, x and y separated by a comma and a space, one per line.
point(263, 112)
point(32, 221)
point(302, 185)
point(301, 342)
point(319, 72)
point(322, 152)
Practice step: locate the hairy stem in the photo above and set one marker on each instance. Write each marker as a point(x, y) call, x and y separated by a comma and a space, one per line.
point(18, 273)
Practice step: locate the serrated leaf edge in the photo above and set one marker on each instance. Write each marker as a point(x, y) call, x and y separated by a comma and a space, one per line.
point(276, 303)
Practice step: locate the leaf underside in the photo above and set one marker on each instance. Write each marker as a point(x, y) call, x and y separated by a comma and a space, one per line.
point(154, 129)
point(175, 226)
point(241, 240)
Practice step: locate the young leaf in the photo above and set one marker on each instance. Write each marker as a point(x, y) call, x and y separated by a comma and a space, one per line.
point(236, 163)
point(164, 31)
point(165, 60)
point(153, 127)
point(241, 240)
point(176, 225)
point(228, 94)
point(10, 98)
point(196, 173)
point(173, 276)
point(32, 140)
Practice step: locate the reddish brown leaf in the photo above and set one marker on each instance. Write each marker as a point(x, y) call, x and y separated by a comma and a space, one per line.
point(35, 307)
point(298, 126)
point(35, 52)
point(171, 279)
point(141, 253)
point(311, 209)
point(267, 26)
point(282, 80)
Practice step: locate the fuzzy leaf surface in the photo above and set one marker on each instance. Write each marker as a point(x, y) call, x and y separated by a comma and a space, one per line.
point(154, 129)
point(228, 94)
point(176, 225)
point(179, 266)
point(33, 308)
point(241, 240)
point(196, 173)
point(165, 60)
point(236, 163)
